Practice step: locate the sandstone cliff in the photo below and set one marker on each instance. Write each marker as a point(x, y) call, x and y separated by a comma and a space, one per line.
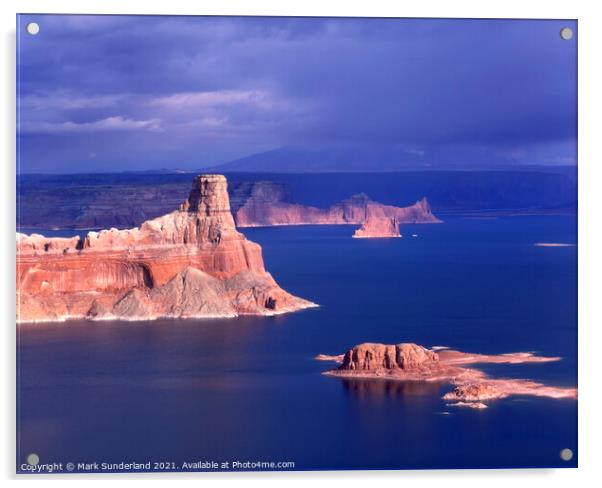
point(379, 357)
point(189, 263)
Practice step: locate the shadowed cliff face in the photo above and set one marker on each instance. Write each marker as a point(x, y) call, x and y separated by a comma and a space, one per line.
point(189, 263)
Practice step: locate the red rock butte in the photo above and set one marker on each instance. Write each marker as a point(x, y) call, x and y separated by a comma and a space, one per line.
point(189, 263)
point(389, 357)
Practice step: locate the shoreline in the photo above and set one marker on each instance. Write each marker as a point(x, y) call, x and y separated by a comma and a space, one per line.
point(71, 318)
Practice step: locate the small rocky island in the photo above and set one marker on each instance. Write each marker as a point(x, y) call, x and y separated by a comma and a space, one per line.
point(191, 262)
point(411, 362)
point(375, 227)
point(378, 224)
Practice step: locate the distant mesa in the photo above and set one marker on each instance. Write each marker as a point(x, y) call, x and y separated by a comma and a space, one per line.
point(266, 205)
point(412, 362)
point(191, 262)
point(128, 199)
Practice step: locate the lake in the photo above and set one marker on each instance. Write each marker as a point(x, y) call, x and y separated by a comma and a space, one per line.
point(248, 389)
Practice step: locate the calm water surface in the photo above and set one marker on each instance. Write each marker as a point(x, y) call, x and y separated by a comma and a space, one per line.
point(247, 389)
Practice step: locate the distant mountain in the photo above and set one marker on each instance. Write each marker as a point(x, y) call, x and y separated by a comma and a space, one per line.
point(162, 171)
point(352, 159)
point(320, 160)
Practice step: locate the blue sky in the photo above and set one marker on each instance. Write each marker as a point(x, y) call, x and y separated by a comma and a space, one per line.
point(113, 93)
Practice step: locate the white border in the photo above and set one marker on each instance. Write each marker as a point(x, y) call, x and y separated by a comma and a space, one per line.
point(590, 245)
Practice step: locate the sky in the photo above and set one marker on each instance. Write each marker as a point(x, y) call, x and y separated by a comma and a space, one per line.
point(115, 93)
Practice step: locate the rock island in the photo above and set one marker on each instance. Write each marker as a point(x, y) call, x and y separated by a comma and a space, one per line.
point(412, 362)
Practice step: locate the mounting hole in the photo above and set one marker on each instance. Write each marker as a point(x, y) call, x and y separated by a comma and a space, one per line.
point(33, 459)
point(566, 454)
point(33, 28)
point(566, 33)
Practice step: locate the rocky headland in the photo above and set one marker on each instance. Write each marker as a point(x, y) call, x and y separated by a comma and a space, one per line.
point(267, 205)
point(191, 262)
point(411, 362)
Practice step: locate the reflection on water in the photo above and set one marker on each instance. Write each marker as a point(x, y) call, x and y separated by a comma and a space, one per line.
point(364, 388)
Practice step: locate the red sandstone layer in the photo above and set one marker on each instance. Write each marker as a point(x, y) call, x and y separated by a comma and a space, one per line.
point(189, 263)
point(266, 208)
point(411, 362)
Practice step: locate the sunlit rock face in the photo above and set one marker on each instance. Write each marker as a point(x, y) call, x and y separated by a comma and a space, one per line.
point(189, 263)
point(266, 205)
point(377, 224)
point(378, 357)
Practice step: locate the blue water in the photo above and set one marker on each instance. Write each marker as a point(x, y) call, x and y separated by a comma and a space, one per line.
point(248, 389)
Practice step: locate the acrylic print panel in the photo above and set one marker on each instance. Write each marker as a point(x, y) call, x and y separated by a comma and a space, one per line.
point(295, 243)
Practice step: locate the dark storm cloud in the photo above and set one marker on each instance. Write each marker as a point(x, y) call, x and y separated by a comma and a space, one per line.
point(105, 93)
